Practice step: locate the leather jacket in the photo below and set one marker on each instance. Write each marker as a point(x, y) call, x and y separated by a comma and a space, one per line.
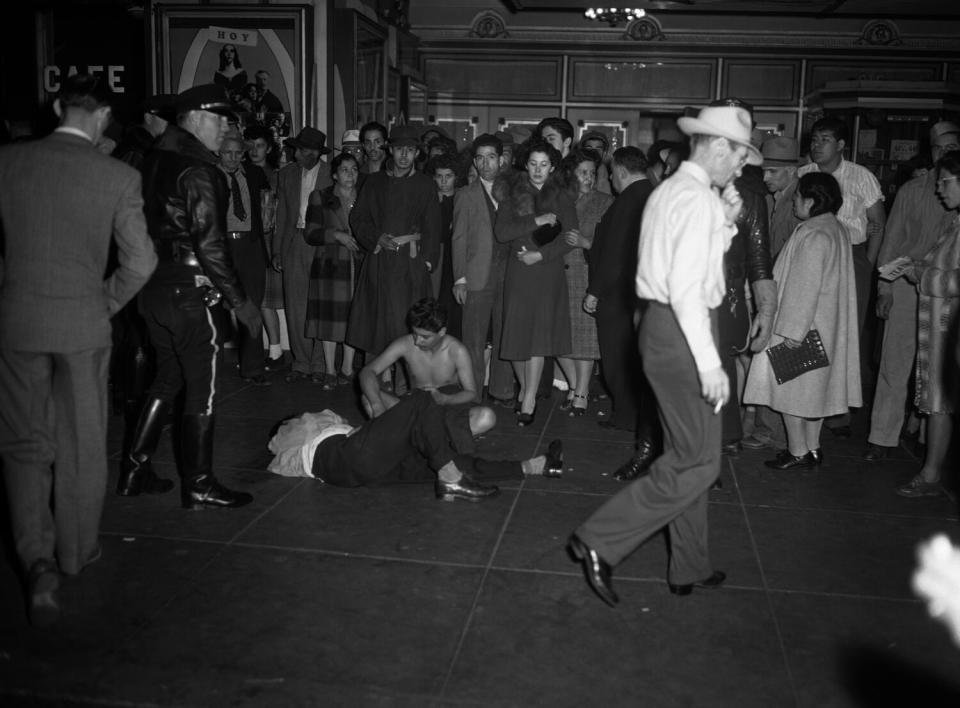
point(749, 254)
point(185, 198)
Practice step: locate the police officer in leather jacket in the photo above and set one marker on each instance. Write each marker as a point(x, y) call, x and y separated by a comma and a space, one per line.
point(185, 201)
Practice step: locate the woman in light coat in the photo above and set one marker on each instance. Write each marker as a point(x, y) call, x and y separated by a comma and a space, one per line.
point(814, 273)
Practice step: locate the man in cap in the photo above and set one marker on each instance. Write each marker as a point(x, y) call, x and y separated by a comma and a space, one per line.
point(912, 230)
point(186, 197)
point(350, 144)
point(396, 220)
point(61, 203)
point(292, 255)
point(157, 112)
point(780, 158)
point(479, 267)
point(598, 142)
point(686, 228)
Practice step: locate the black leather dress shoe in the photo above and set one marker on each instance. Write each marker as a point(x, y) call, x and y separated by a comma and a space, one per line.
point(595, 568)
point(637, 465)
point(711, 583)
point(875, 453)
point(731, 449)
point(466, 489)
point(207, 492)
point(786, 461)
point(43, 586)
point(554, 464)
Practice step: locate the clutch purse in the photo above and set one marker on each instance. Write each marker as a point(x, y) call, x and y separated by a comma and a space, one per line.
point(546, 233)
point(789, 363)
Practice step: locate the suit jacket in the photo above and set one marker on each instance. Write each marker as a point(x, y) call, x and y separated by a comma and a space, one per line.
point(288, 205)
point(256, 184)
point(60, 202)
point(472, 241)
point(613, 257)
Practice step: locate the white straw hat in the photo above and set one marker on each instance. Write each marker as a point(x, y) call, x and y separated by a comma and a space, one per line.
point(728, 122)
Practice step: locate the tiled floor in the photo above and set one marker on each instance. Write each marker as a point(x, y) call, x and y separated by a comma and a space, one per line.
point(316, 596)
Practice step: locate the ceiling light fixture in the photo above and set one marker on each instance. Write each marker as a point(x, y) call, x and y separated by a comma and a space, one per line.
point(614, 15)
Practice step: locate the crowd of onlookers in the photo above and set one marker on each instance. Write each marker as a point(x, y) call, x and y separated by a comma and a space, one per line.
point(508, 234)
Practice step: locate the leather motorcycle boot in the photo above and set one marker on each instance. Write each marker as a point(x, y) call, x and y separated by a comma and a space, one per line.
point(198, 487)
point(136, 472)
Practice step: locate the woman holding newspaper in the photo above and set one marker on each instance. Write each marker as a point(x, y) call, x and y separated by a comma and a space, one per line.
point(937, 278)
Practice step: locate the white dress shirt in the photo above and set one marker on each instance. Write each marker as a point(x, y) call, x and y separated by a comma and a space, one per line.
point(308, 179)
point(860, 189)
point(683, 237)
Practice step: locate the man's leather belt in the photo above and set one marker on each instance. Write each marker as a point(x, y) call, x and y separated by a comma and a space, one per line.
point(237, 234)
point(169, 251)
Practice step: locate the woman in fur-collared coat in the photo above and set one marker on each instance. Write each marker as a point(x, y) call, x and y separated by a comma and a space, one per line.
point(534, 213)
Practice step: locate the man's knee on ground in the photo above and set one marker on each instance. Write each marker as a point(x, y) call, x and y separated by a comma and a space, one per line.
point(482, 419)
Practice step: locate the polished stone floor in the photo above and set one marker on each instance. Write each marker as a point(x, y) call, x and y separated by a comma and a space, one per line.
point(316, 596)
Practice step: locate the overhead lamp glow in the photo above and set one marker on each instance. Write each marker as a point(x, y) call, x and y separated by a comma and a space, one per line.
point(614, 15)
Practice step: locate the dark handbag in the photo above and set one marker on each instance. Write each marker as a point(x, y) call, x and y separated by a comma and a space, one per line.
point(546, 233)
point(789, 363)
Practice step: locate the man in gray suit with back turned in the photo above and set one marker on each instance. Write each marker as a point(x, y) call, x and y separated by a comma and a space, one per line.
point(60, 201)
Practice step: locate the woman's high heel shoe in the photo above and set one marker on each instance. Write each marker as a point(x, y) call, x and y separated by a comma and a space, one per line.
point(525, 419)
point(567, 402)
point(575, 410)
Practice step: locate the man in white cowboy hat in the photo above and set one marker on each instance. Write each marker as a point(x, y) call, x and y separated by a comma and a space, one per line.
point(292, 255)
point(912, 230)
point(686, 228)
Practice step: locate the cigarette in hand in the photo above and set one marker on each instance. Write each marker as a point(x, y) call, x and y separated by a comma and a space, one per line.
point(716, 408)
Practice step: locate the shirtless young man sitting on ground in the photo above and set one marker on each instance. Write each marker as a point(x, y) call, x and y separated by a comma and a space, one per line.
point(436, 362)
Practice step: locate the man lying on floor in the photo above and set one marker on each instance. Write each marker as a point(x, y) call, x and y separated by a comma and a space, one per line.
point(416, 440)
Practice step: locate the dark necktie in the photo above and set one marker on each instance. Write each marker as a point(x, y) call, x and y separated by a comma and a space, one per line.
point(237, 195)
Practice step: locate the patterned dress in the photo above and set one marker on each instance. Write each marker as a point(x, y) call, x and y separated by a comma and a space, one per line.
point(583, 327)
point(333, 273)
point(939, 300)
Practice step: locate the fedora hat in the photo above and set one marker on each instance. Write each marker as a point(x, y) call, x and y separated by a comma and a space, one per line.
point(405, 135)
point(780, 151)
point(730, 122)
point(942, 128)
point(206, 97)
point(309, 139)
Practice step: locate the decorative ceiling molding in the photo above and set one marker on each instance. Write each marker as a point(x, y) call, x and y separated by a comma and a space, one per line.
point(644, 29)
point(877, 34)
point(488, 25)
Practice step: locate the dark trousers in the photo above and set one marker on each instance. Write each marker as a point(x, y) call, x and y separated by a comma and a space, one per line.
point(184, 336)
point(619, 362)
point(483, 316)
point(53, 443)
point(733, 320)
point(408, 443)
point(247, 255)
point(674, 494)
